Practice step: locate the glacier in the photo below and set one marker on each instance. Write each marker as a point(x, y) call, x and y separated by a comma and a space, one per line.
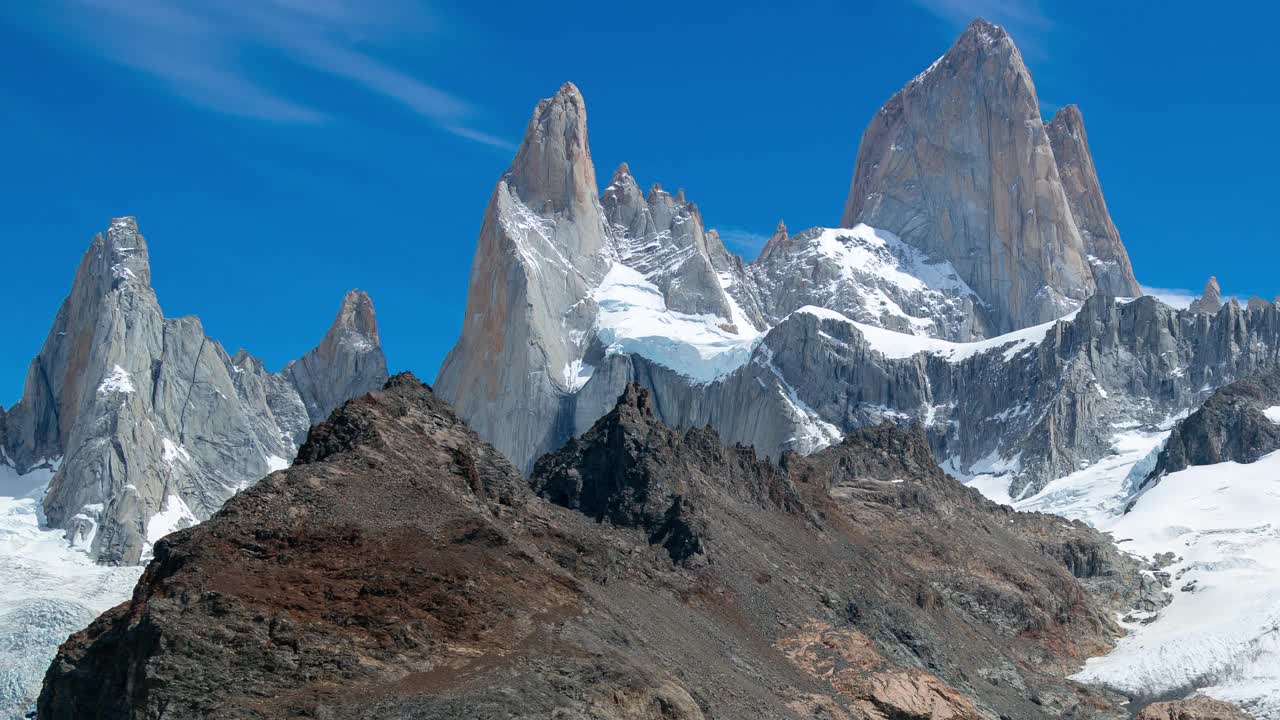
point(50, 589)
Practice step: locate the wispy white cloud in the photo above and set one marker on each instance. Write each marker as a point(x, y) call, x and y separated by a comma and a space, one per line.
point(1173, 297)
point(744, 242)
point(217, 54)
point(1025, 20)
point(1182, 299)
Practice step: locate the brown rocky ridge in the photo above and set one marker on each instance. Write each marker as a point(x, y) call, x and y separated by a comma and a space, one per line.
point(404, 569)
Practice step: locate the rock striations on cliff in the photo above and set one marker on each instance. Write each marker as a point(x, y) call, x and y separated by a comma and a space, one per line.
point(402, 568)
point(1112, 271)
point(542, 247)
point(960, 165)
point(149, 423)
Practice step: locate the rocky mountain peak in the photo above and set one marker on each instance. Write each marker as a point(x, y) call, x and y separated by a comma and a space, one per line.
point(543, 247)
point(150, 423)
point(1010, 234)
point(1210, 300)
point(635, 401)
point(125, 253)
point(347, 362)
point(983, 33)
point(776, 241)
point(111, 287)
point(355, 318)
point(622, 179)
point(1104, 251)
point(552, 171)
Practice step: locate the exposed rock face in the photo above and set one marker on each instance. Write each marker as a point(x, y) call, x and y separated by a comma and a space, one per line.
point(1035, 405)
point(542, 248)
point(1210, 300)
point(1112, 271)
point(1199, 707)
point(347, 363)
point(958, 164)
point(403, 569)
point(153, 424)
point(1233, 425)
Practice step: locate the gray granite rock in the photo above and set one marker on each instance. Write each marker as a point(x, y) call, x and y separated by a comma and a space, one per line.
point(347, 363)
point(150, 423)
point(1031, 410)
point(543, 246)
point(968, 219)
point(1112, 271)
point(959, 165)
point(1210, 301)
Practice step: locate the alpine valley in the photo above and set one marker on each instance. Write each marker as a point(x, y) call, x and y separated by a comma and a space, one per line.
point(942, 461)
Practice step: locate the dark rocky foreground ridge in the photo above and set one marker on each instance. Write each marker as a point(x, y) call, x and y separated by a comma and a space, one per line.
point(402, 568)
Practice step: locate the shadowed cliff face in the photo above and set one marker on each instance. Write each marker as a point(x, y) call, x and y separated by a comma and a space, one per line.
point(403, 569)
point(1231, 426)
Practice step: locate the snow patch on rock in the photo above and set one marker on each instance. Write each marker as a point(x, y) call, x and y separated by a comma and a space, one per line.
point(116, 381)
point(896, 345)
point(173, 516)
point(634, 318)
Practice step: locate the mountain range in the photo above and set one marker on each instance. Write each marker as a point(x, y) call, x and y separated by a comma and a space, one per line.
point(654, 479)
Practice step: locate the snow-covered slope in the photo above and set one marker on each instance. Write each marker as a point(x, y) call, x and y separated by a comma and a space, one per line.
point(634, 318)
point(48, 589)
point(1213, 535)
point(1221, 633)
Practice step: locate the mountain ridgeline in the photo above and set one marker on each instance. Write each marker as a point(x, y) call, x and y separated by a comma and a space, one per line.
point(403, 568)
point(997, 312)
point(148, 422)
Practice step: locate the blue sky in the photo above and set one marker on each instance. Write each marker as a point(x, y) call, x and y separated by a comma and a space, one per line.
point(279, 152)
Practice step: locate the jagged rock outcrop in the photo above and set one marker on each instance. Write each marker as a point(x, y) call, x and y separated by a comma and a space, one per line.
point(403, 569)
point(1031, 407)
point(1210, 301)
point(1238, 423)
point(1112, 271)
point(347, 363)
point(662, 238)
point(958, 164)
point(150, 423)
point(870, 276)
point(542, 248)
point(551, 256)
